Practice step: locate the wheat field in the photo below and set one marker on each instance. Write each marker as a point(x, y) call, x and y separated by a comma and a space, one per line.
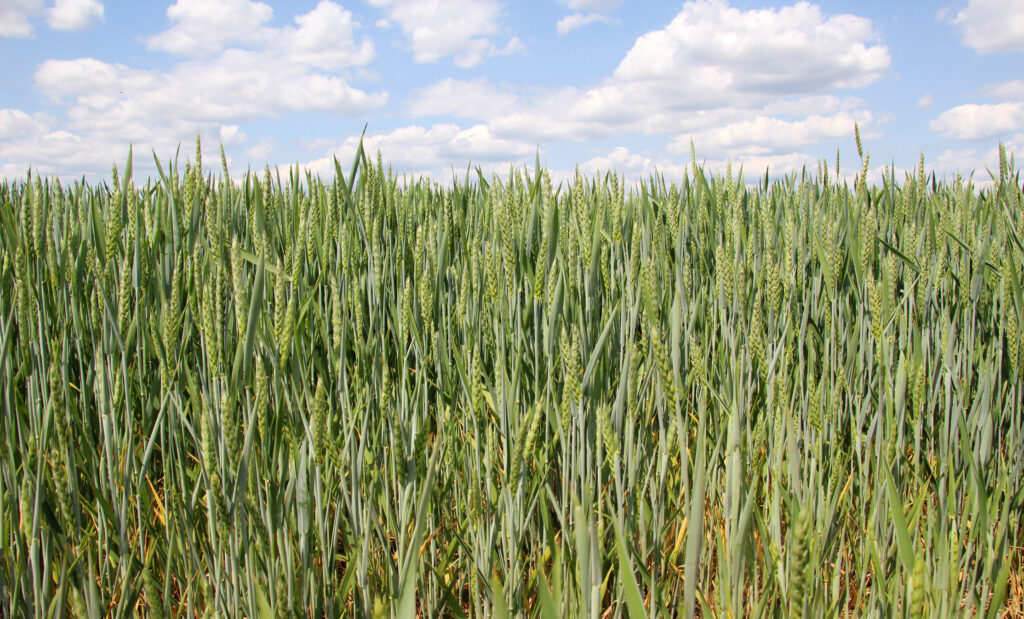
point(374, 395)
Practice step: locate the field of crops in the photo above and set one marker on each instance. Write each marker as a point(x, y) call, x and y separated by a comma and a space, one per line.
point(284, 395)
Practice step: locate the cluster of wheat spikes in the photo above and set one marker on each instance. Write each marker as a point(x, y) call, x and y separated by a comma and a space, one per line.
point(277, 396)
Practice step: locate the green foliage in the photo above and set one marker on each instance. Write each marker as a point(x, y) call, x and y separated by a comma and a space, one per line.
point(284, 396)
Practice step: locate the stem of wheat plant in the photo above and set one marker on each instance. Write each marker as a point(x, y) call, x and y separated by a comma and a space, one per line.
point(284, 395)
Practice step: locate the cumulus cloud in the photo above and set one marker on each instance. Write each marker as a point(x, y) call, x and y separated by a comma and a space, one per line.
point(56, 150)
point(465, 30)
point(792, 49)
point(712, 65)
point(990, 26)
point(238, 85)
point(261, 150)
point(575, 20)
point(462, 98)
point(230, 77)
point(636, 167)
point(14, 15)
point(765, 135)
point(755, 86)
point(925, 102)
point(323, 38)
point(1012, 90)
point(984, 121)
point(755, 166)
point(16, 124)
point(433, 150)
point(202, 27)
point(620, 158)
point(62, 15)
point(631, 165)
point(964, 161)
point(231, 136)
point(585, 12)
point(979, 121)
point(74, 14)
point(30, 140)
point(591, 5)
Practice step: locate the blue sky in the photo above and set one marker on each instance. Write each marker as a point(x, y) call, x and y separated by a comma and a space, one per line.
point(596, 83)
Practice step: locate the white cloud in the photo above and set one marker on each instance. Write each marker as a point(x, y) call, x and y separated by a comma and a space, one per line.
point(261, 150)
point(990, 26)
point(41, 147)
point(467, 99)
point(462, 29)
point(925, 102)
point(202, 27)
point(979, 121)
point(265, 72)
point(14, 15)
point(632, 166)
point(562, 115)
point(620, 158)
point(754, 166)
point(238, 85)
point(16, 124)
point(877, 174)
point(433, 151)
point(575, 20)
point(74, 14)
point(317, 144)
point(591, 5)
point(792, 49)
point(964, 161)
point(812, 104)
point(712, 65)
point(1012, 90)
point(514, 46)
point(62, 15)
point(765, 135)
point(982, 121)
point(636, 167)
point(323, 38)
point(585, 12)
point(231, 136)
point(712, 74)
point(48, 150)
